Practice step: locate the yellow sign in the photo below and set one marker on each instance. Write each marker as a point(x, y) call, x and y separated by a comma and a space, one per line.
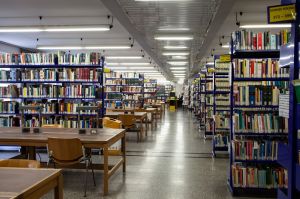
point(210, 70)
point(225, 58)
point(281, 13)
point(106, 70)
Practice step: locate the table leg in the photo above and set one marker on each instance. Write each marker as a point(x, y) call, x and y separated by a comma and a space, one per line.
point(58, 191)
point(123, 146)
point(146, 123)
point(105, 178)
point(142, 129)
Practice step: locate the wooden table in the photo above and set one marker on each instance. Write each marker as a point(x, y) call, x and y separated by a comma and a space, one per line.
point(103, 139)
point(21, 183)
point(141, 116)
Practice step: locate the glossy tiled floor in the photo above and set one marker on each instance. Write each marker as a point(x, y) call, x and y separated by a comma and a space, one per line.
point(173, 162)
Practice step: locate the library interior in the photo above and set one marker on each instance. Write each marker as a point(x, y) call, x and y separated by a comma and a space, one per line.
point(149, 99)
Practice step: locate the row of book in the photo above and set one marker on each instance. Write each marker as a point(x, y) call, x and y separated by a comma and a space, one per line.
point(259, 177)
point(222, 103)
point(223, 84)
point(221, 121)
point(124, 89)
point(89, 58)
point(123, 75)
point(150, 90)
point(256, 95)
point(252, 122)
point(124, 82)
point(220, 140)
point(255, 149)
point(249, 40)
point(7, 121)
point(259, 68)
point(8, 106)
point(71, 108)
point(150, 85)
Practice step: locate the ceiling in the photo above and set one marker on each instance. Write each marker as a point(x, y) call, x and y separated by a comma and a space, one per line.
point(205, 20)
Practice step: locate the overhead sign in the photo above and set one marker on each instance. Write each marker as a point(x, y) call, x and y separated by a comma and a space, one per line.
point(225, 58)
point(281, 13)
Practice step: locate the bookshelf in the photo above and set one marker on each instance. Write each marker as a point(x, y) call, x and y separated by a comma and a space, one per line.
point(221, 103)
point(288, 153)
point(59, 82)
point(150, 91)
point(161, 93)
point(123, 90)
point(206, 101)
point(196, 96)
point(256, 129)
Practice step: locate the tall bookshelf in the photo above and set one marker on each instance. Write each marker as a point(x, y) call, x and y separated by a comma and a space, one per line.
point(161, 93)
point(288, 153)
point(256, 129)
point(201, 84)
point(208, 94)
point(196, 95)
point(58, 82)
point(150, 90)
point(123, 90)
point(221, 103)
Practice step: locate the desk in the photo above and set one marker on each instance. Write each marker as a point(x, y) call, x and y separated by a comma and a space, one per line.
point(141, 116)
point(30, 183)
point(103, 139)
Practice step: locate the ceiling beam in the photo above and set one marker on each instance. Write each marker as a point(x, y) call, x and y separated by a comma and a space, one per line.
point(222, 13)
point(117, 11)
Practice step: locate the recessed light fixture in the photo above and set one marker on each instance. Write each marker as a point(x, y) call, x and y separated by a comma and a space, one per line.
point(178, 63)
point(176, 53)
point(128, 64)
point(179, 57)
point(173, 37)
point(20, 29)
point(172, 29)
point(225, 46)
point(252, 26)
point(175, 47)
point(123, 57)
point(178, 68)
point(83, 47)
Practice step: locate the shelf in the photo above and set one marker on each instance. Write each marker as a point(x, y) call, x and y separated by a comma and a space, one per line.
point(222, 92)
point(254, 192)
point(282, 194)
point(255, 54)
point(261, 79)
point(221, 148)
point(113, 99)
point(133, 78)
point(257, 161)
point(50, 98)
point(221, 110)
point(50, 66)
point(122, 85)
point(221, 73)
point(257, 106)
point(221, 76)
point(297, 176)
point(261, 134)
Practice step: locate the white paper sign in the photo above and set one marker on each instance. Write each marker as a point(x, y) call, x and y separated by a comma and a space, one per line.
point(284, 105)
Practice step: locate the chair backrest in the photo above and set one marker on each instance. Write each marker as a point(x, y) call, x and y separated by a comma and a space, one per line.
point(20, 163)
point(112, 123)
point(52, 126)
point(127, 119)
point(65, 149)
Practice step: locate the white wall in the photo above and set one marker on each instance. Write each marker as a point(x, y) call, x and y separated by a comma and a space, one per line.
point(178, 89)
point(8, 49)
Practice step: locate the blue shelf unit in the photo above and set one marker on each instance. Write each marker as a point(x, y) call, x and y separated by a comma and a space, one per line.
point(119, 100)
point(196, 96)
point(288, 154)
point(150, 91)
point(206, 79)
point(17, 80)
point(221, 95)
point(253, 136)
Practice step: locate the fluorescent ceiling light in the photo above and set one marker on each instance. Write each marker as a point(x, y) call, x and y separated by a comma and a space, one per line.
point(123, 57)
point(266, 26)
point(175, 53)
point(62, 28)
point(178, 72)
point(177, 63)
point(178, 68)
point(175, 47)
point(173, 29)
point(83, 47)
point(173, 38)
point(128, 64)
point(179, 57)
point(225, 46)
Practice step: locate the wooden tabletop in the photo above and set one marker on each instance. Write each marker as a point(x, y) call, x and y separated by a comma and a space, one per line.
point(16, 182)
point(10, 136)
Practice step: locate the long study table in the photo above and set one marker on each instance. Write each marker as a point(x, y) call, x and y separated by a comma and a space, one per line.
point(104, 138)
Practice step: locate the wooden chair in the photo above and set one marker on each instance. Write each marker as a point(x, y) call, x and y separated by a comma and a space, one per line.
point(20, 163)
point(129, 123)
point(69, 151)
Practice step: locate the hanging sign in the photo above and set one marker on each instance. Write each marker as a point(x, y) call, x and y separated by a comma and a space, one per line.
point(106, 70)
point(225, 58)
point(281, 13)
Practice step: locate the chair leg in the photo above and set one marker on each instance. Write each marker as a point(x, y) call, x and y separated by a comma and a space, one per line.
point(92, 168)
point(86, 175)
